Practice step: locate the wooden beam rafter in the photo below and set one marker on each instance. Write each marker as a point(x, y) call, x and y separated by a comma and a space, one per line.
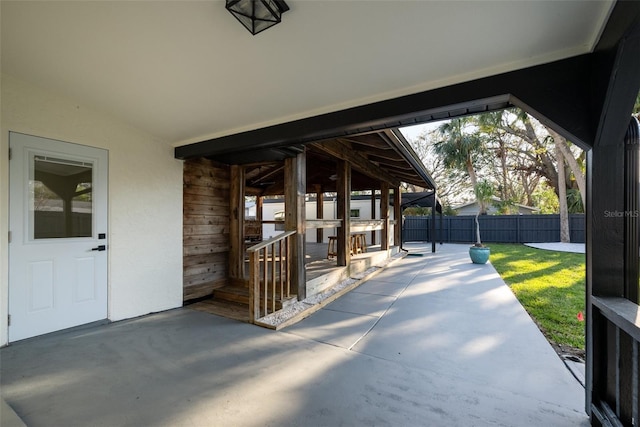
point(267, 174)
point(394, 163)
point(370, 140)
point(358, 161)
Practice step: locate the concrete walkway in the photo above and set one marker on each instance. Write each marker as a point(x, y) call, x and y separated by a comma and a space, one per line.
point(432, 341)
point(577, 248)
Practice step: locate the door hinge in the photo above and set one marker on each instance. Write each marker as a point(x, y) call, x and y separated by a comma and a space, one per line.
point(10, 153)
point(9, 320)
point(9, 237)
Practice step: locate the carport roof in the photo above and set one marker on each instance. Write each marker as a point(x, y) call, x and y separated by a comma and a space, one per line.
point(187, 71)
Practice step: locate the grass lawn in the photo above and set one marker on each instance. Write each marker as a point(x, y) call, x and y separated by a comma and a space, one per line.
point(551, 287)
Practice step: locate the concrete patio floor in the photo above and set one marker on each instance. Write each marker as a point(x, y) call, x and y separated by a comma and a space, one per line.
point(433, 340)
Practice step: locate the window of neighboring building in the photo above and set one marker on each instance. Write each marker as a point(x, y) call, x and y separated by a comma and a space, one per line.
point(279, 216)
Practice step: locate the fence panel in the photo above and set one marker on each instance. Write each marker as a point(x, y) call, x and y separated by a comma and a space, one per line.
point(494, 228)
point(417, 229)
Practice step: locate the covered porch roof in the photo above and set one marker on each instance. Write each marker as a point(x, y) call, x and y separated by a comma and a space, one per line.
point(188, 72)
point(383, 155)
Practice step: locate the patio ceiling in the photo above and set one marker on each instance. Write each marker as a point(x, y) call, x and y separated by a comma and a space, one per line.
point(187, 71)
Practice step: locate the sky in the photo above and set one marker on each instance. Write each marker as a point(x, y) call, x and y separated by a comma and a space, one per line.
point(413, 132)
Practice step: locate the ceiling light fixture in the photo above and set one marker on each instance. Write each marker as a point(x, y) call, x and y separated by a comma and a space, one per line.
point(257, 15)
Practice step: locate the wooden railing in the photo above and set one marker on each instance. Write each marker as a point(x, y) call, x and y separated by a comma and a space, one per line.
point(615, 397)
point(269, 274)
point(322, 223)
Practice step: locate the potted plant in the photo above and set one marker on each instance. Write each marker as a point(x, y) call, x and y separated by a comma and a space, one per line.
point(479, 253)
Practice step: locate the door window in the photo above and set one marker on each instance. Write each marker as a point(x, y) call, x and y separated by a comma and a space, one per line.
point(60, 198)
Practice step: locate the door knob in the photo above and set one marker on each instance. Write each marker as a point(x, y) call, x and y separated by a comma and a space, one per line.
point(100, 248)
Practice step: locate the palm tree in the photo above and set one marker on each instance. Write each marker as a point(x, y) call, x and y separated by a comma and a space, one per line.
point(483, 191)
point(460, 145)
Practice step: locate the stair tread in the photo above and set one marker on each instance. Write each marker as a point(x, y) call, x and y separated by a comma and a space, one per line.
point(233, 289)
point(240, 295)
point(226, 309)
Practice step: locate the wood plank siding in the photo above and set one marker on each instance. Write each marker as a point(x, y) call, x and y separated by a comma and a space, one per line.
point(205, 227)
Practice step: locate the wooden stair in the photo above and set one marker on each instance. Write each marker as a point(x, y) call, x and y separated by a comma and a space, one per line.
point(232, 301)
point(240, 295)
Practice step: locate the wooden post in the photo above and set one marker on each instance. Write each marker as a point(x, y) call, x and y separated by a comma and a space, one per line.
point(373, 215)
point(236, 222)
point(343, 212)
point(259, 214)
point(397, 214)
point(434, 207)
point(295, 177)
point(384, 216)
point(319, 211)
point(259, 207)
point(632, 211)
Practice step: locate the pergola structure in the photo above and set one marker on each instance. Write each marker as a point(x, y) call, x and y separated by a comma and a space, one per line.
point(377, 162)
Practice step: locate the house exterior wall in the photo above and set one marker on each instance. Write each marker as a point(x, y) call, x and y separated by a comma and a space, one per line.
point(145, 190)
point(472, 209)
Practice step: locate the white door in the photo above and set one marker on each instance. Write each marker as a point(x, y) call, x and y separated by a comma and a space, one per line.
point(58, 225)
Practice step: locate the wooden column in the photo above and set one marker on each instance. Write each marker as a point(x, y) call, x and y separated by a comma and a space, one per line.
point(612, 217)
point(373, 215)
point(295, 177)
point(632, 210)
point(259, 206)
point(610, 212)
point(343, 184)
point(319, 212)
point(397, 214)
point(384, 216)
point(259, 214)
point(236, 222)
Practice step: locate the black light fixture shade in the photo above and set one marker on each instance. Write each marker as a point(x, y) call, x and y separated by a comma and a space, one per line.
point(257, 15)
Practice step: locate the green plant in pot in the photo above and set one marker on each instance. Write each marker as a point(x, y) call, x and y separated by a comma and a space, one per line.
point(479, 253)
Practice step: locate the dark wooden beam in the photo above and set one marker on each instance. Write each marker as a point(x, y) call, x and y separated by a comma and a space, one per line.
point(614, 69)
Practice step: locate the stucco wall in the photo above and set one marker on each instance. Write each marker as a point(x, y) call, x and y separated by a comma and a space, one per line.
point(145, 197)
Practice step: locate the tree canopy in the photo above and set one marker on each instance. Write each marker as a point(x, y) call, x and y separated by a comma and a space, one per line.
point(524, 161)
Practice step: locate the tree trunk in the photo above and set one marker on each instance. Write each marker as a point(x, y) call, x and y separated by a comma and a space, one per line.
point(562, 197)
point(472, 173)
point(503, 163)
point(561, 143)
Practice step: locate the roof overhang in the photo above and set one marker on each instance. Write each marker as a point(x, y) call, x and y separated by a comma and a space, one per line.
point(186, 71)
